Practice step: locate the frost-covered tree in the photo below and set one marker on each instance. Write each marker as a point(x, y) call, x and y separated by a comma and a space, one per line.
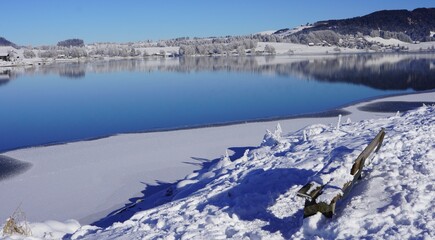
point(218, 49)
point(51, 53)
point(293, 39)
point(29, 54)
point(375, 33)
point(201, 49)
point(76, 52)
point(145, 53)
point(269, 49)
point(186, 50)
point(327, 35)
point(134, 52)
point(241, 50)
point(161, 44)
point(249, 43)
point(403, 37)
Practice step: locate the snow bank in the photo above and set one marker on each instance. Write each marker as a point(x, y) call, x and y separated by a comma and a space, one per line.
point(254, 196)
point(54, 229)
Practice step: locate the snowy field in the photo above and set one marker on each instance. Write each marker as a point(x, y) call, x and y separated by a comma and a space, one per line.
point(90, 179)
point(302, 49)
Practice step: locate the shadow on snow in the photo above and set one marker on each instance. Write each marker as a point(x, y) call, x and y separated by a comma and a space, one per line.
point(258, 191)
point(162, 192)
point(249, 200)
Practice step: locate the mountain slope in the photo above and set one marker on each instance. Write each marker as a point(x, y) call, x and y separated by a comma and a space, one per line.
point(5, 42)
point(417, 24)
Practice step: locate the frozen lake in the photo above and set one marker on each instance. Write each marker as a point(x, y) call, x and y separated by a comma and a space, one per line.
point(73, 101)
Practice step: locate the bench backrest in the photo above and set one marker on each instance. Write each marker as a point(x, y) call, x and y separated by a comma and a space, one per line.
point(312, 190)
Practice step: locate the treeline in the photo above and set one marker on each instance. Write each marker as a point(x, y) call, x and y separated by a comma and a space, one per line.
point(225, 46)
point(115, 51)
point(219, 47)
point(75, 42)
point(61, 52)
point(79, 52)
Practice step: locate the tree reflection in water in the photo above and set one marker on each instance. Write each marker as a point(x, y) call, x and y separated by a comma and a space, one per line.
point(379, 71)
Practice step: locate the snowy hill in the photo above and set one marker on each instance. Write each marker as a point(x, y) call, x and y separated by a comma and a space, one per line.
point(417, 24)
point(5, 42)
point(252, 194)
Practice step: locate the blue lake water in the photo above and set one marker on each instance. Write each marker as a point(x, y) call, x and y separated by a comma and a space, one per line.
point(72, 101)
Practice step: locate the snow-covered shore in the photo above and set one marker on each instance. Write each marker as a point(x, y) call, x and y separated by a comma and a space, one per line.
point(88, 180)
point(281, 48)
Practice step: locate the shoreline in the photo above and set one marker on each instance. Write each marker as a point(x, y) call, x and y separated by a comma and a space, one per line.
point(314, 51)
point(324, 114)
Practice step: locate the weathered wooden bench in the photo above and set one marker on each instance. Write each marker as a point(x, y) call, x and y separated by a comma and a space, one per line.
point(322, 197)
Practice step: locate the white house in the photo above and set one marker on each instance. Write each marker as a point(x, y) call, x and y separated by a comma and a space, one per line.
point(6, 53)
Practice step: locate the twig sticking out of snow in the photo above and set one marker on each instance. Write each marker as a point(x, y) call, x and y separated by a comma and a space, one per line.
point(339, 122)
point(278, 130)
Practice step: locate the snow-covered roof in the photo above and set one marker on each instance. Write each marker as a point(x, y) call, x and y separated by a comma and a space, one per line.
point(4, 50)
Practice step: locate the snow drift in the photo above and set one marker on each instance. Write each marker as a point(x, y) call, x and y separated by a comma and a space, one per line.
point(253, 195)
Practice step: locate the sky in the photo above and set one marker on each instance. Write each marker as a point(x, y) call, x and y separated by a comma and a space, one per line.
point(45, 22)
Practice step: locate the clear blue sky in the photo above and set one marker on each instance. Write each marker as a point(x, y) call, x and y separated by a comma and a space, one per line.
point(38, 22)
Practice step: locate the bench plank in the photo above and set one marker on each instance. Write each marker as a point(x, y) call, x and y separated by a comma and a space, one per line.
point(310, 190)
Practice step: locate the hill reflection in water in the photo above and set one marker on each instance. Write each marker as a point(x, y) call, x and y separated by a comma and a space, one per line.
point(385, 72)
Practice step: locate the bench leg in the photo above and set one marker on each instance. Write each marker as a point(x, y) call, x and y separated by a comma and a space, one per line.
point(311, 208)
point(329, 210)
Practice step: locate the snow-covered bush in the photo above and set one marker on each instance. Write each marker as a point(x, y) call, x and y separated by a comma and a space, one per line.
point(269, 49)
point(272, 139)
point(29, 54)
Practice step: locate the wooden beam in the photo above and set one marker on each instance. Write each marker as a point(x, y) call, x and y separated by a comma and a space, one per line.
point(360, 160)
